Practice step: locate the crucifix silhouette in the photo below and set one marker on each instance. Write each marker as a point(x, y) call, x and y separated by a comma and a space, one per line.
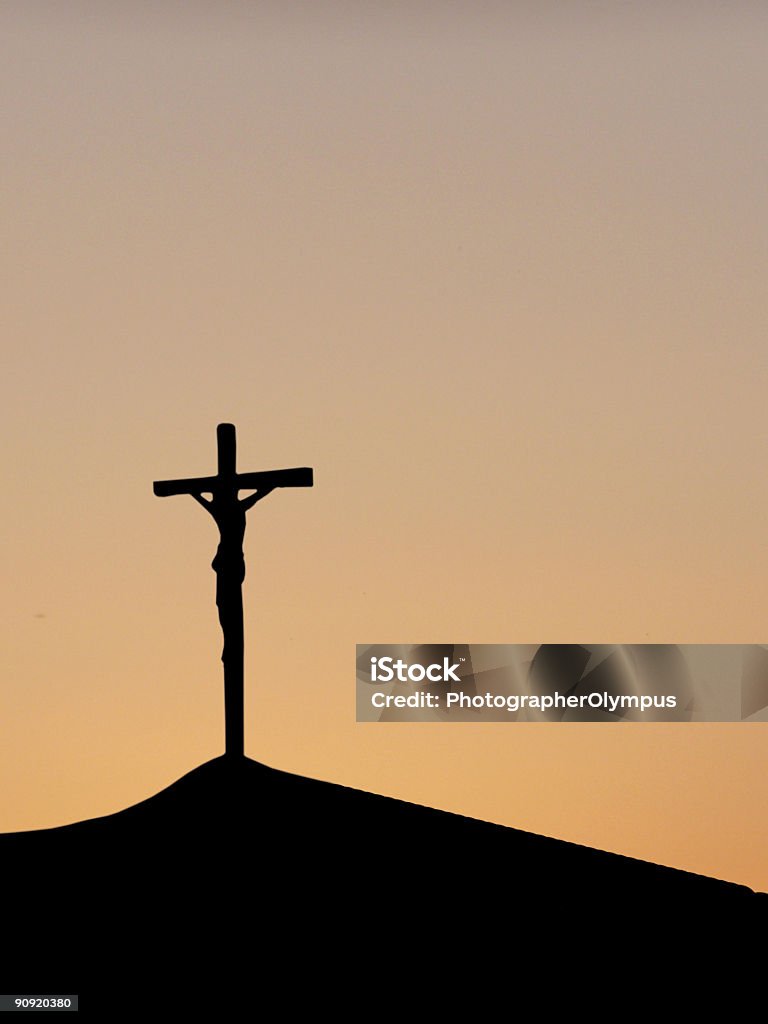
point(228, 512)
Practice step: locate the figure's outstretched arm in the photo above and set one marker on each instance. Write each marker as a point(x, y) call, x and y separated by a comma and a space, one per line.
point(203, 501)
point(251, 500)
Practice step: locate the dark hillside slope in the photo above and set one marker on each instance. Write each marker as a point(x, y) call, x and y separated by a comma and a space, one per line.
point(240, 877)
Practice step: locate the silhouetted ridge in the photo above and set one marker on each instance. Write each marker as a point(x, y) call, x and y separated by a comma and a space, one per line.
point(285, 857)
point(233, 794)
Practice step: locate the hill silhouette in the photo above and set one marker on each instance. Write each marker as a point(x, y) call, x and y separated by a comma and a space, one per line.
point(240, 875)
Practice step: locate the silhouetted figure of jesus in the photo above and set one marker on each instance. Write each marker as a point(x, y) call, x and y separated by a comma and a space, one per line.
point(229, 563)
point(229, 511)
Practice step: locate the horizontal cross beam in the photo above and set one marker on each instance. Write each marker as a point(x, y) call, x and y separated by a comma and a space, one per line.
point(300, 477)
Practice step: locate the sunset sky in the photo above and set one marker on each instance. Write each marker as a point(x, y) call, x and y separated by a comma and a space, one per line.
point(496, 270)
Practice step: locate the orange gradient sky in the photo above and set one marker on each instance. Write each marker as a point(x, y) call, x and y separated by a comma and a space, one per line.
point(497, 272)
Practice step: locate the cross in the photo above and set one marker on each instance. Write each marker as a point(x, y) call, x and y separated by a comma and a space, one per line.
point(229, 513)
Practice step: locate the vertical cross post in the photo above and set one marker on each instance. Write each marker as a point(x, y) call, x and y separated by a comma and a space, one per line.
point(226, 442)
